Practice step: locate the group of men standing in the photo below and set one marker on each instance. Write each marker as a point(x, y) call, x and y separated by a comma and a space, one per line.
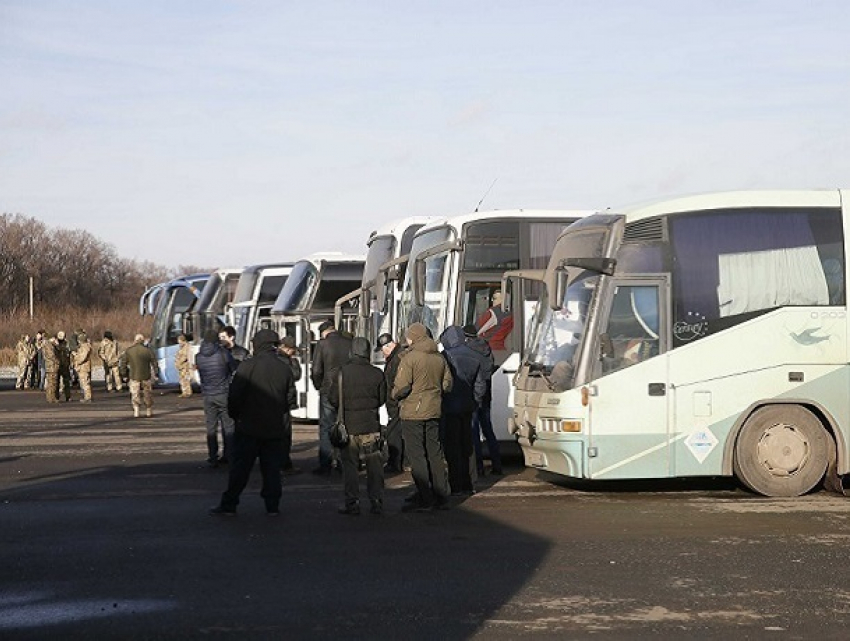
point(430, 398)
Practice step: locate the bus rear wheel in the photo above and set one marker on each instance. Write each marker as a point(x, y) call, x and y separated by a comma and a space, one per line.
point(782, 450)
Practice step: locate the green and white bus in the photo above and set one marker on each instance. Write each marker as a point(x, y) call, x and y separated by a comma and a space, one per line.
point(701, 336)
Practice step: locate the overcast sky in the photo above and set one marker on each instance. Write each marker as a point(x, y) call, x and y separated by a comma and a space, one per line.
point(230, 133)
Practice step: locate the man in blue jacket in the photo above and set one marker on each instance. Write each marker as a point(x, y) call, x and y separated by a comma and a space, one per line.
point(261, 396)
point(215, 368)
point(467, 393)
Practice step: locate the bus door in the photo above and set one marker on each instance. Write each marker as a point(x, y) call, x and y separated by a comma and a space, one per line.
point(628, 410)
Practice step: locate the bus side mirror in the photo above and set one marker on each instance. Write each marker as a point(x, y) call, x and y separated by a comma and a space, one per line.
point(560, 288)
point(419, 282)
point(380, 290)
point(364, 306)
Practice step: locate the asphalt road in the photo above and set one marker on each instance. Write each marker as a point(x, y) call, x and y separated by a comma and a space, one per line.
point(104, 534)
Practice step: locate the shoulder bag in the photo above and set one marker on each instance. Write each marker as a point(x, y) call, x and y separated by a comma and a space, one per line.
point(339, 434)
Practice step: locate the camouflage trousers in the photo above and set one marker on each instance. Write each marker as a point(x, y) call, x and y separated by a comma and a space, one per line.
point(85, 383)
point(185, 382)
point(51, 387)
point(113, 377)
point(141, 393)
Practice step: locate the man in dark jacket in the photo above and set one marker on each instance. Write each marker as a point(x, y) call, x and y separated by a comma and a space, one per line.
point(288, 352)
point(395, 444)
point(215, 368)
point(364, 390)
point(330, 354)
point(227, 337)
point(261, 395)
point(467, 393)
point(481, 423)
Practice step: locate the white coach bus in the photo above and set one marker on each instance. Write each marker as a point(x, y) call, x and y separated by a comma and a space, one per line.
point(701, 336)
point(456, 265)
point(378, 297)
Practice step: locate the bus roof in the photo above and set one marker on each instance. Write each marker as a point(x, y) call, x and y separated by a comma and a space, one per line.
point(333, 257)
point(737, 199)
point(398, 226)
point(460, 220)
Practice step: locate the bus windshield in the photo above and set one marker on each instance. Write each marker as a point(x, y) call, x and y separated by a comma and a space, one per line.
point(557, 333)
point(436, 273)
point(296, 293)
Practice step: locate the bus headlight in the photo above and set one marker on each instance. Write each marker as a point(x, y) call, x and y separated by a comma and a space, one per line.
point(570, 426)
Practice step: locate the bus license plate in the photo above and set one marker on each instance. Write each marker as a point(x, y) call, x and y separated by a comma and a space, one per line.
point(535, 459)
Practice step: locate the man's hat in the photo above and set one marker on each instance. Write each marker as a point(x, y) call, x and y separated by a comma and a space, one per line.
point(470, 330)
point(288, 341)
point(383, 339)
point(326, 325)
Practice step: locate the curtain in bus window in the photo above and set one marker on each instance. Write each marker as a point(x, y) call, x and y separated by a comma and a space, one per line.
point(767, 279)
point(542, 238)
point(743, 261)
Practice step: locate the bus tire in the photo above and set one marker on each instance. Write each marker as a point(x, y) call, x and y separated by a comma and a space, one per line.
point(782, 450)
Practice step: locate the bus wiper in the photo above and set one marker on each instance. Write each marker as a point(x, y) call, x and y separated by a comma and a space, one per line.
point(538, 370)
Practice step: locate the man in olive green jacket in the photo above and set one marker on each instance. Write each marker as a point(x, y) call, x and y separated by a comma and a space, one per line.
point(140, 364)
point(422, 379)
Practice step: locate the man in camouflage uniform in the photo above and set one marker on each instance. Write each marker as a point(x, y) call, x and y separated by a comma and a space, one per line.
point(63, 355)
point(24, 350)
point(141, 367)
point(183, 364)
point(82, 363)
point(110, 353)
point(51, 370)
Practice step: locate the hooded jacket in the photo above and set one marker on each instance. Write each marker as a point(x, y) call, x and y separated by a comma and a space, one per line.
point(364, 390)
point(467, 368)
point(262, 392)
point(390, 373)
point(488, 364)
point(215, 368)
point(423, 376)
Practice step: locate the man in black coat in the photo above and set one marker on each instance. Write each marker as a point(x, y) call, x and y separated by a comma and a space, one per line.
point(331, 353)
point(467, 393)
point(395, 445)
point(364, 390)
point(260, 398)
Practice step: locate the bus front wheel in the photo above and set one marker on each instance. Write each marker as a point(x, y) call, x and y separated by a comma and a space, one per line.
point(782, 450)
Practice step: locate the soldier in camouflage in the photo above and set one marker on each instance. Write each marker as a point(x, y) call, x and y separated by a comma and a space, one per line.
point(24, 350)
point(183, 364)
point(82, 363)
point(110, 353)
point(51, 370)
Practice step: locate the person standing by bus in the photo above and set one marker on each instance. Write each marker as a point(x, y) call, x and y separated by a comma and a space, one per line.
point(288, 352)
point(110, 354)
point(481, 421)
point(82, 363)
point(259, 400)
point(467, 393)
point(215, 368)
point(395, 443)
point(183, 365)
point(495, 324)
point(141, 368)
point(227, 336)
point(423, 377)
point(331, 353)
point(51, 370)
point(364, 390)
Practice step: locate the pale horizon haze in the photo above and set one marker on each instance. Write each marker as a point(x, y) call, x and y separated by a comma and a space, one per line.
point(224, 133)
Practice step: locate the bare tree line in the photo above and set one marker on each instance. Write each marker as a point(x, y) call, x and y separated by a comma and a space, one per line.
point(70, 268)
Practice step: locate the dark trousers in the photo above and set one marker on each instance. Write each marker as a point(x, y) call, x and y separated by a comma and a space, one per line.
point(395, 444)
point(481, 422)
point(246, 450)
point(457, 434)
point(327, 417)
point(215, 413)
point(422, 440)
point(362, 445)
point(287, 448)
